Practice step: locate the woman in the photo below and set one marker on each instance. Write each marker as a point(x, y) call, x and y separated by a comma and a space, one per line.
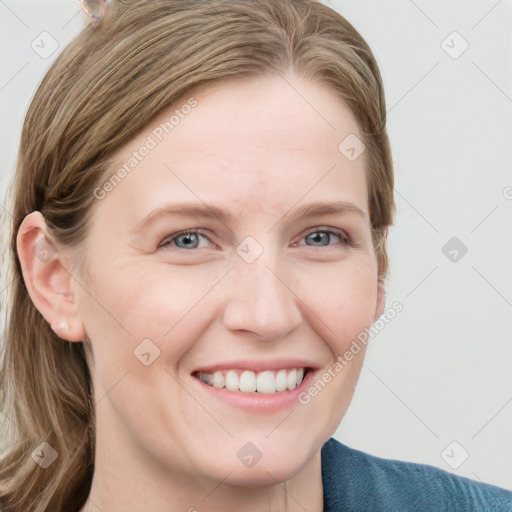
point(199, 222)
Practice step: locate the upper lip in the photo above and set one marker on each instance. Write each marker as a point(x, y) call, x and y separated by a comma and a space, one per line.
point(258, 365)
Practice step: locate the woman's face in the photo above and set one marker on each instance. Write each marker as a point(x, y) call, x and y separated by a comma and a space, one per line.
point(260, 289)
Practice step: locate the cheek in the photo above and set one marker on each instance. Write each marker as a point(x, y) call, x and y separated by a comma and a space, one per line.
point(342, 297)
point(342, 305)
point(172, 305)
point(154, 302)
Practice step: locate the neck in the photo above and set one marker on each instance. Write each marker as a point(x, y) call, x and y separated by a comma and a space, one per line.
point(109, 493)
point(126, 479)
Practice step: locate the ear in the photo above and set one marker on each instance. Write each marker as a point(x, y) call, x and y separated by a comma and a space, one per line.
point(47, 278)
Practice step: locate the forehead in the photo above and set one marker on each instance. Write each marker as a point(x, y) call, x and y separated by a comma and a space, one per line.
point(277, 112)
point(262, 143)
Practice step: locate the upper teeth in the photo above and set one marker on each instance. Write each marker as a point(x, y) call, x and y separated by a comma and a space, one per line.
point(248, 381)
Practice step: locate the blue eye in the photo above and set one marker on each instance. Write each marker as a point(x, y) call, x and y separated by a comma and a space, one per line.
point(184, 240)
point(322, 237)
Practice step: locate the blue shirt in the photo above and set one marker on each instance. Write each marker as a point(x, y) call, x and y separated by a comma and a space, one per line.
point(357, 481)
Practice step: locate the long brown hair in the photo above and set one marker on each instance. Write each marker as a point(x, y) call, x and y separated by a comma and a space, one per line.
point(108, 84)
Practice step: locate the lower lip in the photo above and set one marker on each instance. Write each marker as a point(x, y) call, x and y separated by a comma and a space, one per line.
point(259, 402)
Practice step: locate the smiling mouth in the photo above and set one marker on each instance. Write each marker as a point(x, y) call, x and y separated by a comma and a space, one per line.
point(248, 381)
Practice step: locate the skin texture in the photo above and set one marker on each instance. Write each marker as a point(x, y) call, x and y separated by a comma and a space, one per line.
point(260, 149)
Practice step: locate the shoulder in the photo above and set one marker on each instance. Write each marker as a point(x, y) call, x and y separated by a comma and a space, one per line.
point(355, 480)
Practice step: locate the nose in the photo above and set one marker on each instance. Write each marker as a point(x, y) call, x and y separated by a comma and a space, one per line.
point(262, 300)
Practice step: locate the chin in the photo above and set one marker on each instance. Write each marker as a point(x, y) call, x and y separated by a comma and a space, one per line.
point(262, 475)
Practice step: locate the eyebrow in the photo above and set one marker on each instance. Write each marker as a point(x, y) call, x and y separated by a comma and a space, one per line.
point(204, 210)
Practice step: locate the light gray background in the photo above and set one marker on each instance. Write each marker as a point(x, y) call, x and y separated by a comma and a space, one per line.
point(440, 372)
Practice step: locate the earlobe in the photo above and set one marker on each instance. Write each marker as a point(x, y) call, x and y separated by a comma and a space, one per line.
point(46, 276)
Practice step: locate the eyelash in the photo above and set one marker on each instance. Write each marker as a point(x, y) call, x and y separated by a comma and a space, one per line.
point(345, 239)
